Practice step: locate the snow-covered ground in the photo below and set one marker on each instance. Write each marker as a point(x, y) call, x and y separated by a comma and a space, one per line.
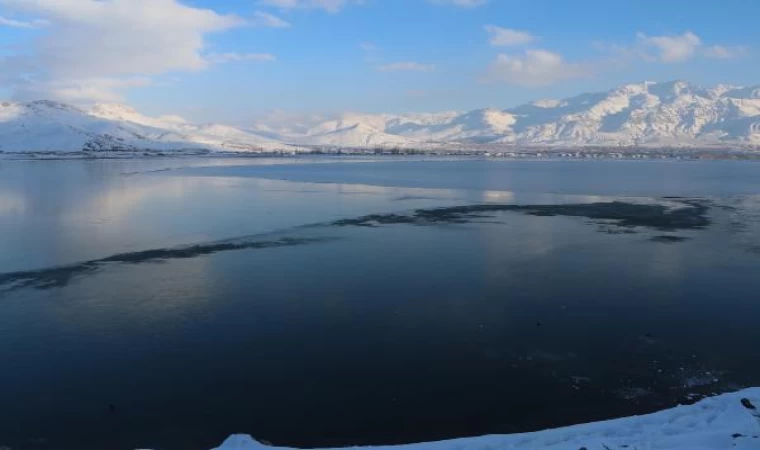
point(716, 423)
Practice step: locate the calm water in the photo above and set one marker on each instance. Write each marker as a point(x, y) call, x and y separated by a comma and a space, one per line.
point(144, 307)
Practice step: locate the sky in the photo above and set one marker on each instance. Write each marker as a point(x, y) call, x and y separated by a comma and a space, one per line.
point(236, 61)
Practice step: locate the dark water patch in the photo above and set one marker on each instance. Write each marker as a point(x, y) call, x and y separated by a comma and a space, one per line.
point(295, 191)
point(374, 220)
point(46, 278)
point(61, 276)
point(754, 249)
point(607, 229)
point(660, 217)
point(669, 239)
point(405, 198)
point(649, 339)
point(612, 218)
point(693, 215)
point(193, 251)
point(168, 169)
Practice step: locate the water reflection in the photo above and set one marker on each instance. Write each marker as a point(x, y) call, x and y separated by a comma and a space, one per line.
point(498, 196)
point(666, 261)
point(83, 309)
point(68, 211)
point(612, 178)
point(11, 205)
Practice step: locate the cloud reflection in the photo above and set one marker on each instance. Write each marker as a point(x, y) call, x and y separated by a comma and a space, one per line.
point(12, 204)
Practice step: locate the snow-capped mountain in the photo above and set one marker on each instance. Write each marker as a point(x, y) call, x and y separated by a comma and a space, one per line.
point(44, 125)
point(671, 113)
point(646, 114)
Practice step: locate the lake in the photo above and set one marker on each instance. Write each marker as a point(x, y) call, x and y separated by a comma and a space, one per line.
point(168, 303)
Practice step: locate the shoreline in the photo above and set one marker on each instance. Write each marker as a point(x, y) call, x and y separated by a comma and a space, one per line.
point(714, 423)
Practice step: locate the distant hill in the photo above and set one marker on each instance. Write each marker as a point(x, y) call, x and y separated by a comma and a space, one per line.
point(673, 113)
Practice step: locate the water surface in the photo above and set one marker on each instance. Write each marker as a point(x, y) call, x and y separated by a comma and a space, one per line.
point(367, 303)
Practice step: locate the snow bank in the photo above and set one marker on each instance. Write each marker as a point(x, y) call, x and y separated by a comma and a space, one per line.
point(717, 423)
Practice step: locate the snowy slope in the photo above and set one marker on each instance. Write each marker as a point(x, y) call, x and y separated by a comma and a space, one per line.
point(639, 114)
point(718, 423)
point(670, 113)
point(52, 126)
point(354, 135)
point(478, 126)
point(175, 128)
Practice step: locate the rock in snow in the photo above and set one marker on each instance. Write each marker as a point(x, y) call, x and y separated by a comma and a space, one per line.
point(673, 113)
point(717, 423)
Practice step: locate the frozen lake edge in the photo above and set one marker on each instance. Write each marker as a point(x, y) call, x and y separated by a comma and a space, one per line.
point(715, 423)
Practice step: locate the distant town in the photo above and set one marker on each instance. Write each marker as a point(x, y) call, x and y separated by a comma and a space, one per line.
point(478, 151)
point(676, 153)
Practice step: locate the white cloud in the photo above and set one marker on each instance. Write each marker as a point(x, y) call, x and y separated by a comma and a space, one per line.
point(460, 3)
point(266, 20)
point(666, 49)
point(622, 53)
point(331, 6)
point(112, 42)
point(672, 49)
point(367, 46)
point(37, 23)
point(81, 90)
point(669, 49)
point(504, 37)
point(231, 56)
point(534, 68)
point(407, 66)
point(723, 52)
point(372, 53)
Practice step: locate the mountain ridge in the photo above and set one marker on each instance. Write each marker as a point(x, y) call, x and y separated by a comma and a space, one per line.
point(673, 113)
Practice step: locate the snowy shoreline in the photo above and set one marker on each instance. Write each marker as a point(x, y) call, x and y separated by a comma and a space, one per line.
point(715, 423)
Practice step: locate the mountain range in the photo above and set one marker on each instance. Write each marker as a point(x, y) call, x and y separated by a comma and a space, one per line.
point(674, 113)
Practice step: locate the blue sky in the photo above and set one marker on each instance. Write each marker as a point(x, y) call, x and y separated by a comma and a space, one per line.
point(235, 60)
